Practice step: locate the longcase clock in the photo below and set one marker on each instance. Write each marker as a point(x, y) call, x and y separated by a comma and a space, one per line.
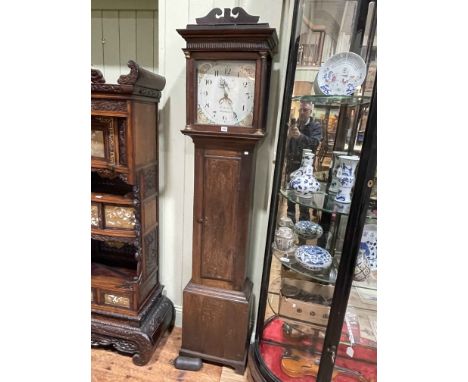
point(228, 57)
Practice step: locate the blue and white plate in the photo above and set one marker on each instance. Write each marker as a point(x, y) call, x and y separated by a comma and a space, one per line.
point(308, 229)
point(313, 257)
point(341, 74)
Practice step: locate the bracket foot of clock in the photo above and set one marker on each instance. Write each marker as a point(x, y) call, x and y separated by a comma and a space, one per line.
point(137, 336)
point(188, 363)
point(238, 366)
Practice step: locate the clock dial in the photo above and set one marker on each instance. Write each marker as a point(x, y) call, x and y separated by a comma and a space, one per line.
point(225, 92)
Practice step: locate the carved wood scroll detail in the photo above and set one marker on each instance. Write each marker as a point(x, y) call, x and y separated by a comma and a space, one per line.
point(122, 127)
point(129, 240)
point(237, 16)
point(97, 104)
point(149, 176)
point(151, 254)
point(97, 77)
point(228, 45)
point(139, 82)
point(131, 78)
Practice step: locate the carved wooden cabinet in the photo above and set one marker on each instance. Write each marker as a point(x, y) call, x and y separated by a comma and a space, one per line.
point(228, 72)
point(128, 309)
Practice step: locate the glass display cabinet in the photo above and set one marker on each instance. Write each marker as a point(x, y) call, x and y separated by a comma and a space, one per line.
point(317, 315)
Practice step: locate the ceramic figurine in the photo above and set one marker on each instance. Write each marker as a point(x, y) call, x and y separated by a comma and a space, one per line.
point(334, 184)
point(345, 176)
point(303, 181)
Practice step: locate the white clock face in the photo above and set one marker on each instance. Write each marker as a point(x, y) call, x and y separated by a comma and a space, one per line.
point(225, 92)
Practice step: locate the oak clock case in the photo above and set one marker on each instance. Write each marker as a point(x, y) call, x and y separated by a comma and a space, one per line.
point(128, 310)
point(228, 56)
point(317, 306)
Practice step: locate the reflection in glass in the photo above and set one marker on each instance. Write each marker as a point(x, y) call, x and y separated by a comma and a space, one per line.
point(292, 328)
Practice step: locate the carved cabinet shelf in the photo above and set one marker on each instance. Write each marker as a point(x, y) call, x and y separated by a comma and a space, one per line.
point(128, 309)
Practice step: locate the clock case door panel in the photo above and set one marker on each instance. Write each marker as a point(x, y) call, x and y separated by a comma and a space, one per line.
point(222, 213)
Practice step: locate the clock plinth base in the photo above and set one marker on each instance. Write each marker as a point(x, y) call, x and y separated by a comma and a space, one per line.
point(137, 336)
point(216, 324)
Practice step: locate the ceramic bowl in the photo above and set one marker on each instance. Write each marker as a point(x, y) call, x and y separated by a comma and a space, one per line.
point(313, 258)
point(308, 229)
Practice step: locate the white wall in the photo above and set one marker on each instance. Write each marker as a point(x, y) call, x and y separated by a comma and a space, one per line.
point(121, 31)
point(177, 150)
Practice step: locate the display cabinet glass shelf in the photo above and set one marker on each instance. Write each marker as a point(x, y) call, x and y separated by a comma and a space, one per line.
point(317, 315)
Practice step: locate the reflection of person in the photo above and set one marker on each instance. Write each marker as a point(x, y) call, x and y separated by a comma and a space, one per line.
point(307, 134)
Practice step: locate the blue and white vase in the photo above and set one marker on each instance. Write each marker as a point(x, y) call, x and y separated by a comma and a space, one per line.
point(369, 245)
point(334, 183)
point(345, 176)
point(302, 180)
point(307, 163)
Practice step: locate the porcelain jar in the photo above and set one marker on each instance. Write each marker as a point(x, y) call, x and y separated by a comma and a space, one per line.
point(308, 229)
point(303, 181)
point(284, 238)
point(345, 176)
point(285, 221)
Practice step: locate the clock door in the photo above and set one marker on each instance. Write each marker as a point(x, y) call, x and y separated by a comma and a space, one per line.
point(221, 222)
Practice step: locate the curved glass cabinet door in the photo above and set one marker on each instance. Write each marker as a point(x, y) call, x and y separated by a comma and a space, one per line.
point(317, 308)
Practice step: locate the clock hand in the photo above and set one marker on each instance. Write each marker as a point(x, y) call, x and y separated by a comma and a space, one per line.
point(225, 89)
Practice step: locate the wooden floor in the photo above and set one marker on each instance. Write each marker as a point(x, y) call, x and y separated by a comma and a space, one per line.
point(110, 366)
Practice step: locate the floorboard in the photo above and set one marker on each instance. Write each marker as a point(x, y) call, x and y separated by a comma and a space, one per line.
point(110, 366)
